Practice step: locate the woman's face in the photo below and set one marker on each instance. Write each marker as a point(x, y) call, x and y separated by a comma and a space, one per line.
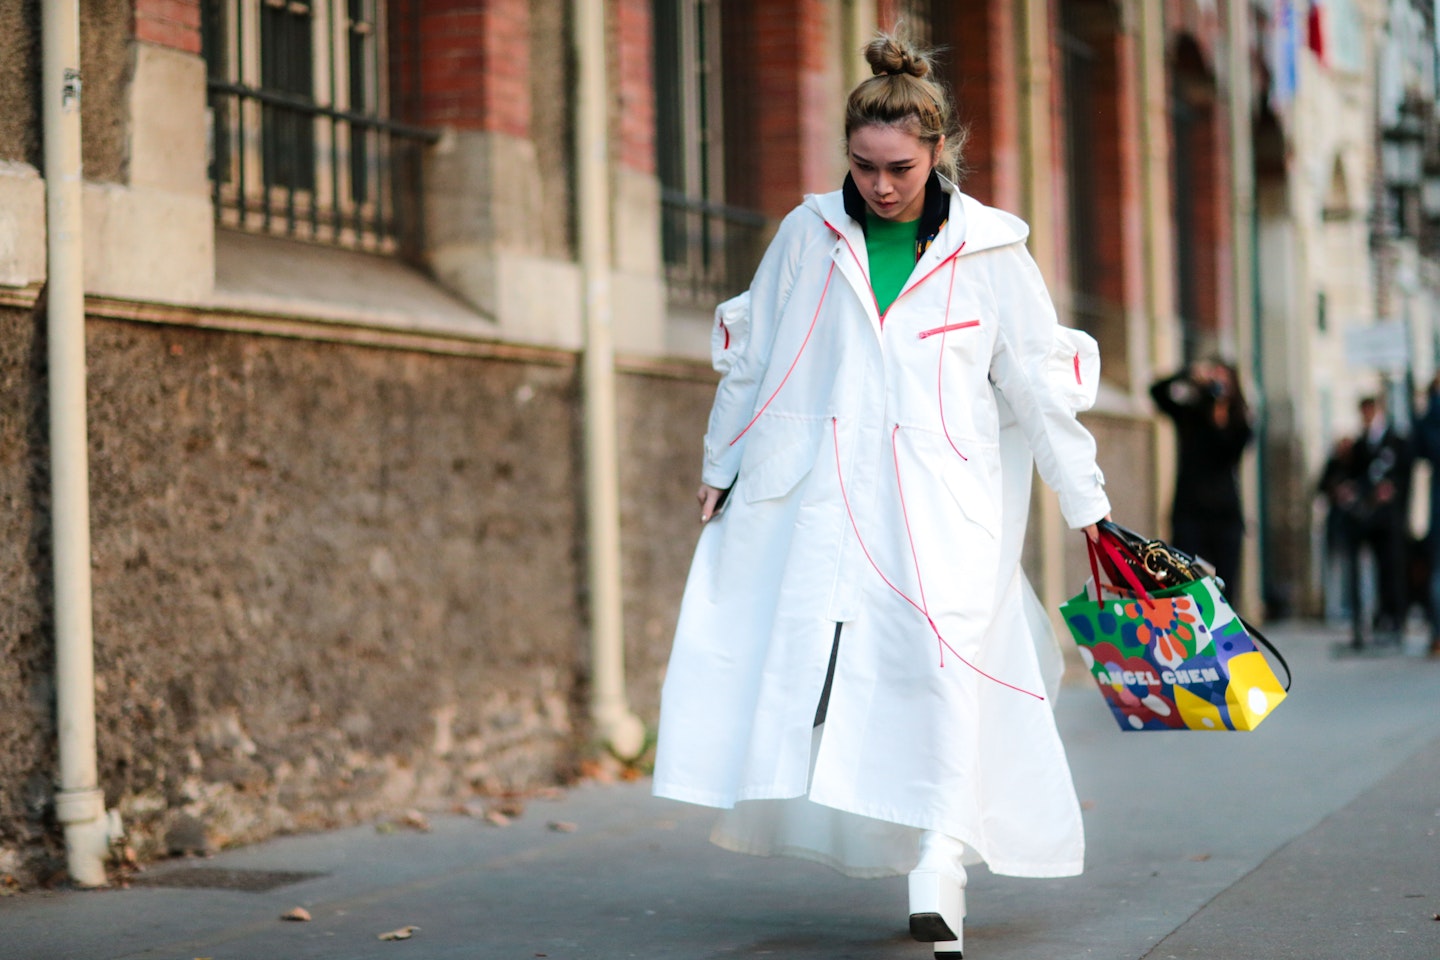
point(890, 166)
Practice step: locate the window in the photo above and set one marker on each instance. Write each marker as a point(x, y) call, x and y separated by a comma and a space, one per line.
point(1196, 191)
point(711, 242)
point(1096, 171)
point(300, 143)
point(916, 17)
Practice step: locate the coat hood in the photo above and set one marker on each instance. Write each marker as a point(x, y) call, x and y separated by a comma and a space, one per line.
point(971, 222)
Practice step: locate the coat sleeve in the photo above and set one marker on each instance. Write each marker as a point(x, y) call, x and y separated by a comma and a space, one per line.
point(741, 345)
point(1029, 341)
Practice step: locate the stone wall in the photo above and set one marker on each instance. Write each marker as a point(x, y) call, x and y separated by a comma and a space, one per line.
point(330, 581)
point(105, 71)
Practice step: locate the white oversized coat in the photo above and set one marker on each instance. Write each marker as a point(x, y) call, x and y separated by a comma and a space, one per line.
point(865, 453)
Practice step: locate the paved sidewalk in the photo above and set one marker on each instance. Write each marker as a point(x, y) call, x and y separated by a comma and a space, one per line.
point(1314, 837)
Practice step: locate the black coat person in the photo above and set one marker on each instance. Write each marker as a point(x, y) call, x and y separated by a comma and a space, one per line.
point(1427, 445)
point(1377, 492)
point(1212, 427)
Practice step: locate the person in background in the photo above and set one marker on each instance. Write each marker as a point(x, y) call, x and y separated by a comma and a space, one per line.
point(1212, 427)
point(1379, 494)
point(1339, 493)
point(1427, 445)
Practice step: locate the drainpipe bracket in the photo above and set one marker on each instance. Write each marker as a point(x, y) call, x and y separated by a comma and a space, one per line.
point(621, 731)
point(80, 806)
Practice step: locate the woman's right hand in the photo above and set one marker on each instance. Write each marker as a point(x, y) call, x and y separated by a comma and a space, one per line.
point(709, 498)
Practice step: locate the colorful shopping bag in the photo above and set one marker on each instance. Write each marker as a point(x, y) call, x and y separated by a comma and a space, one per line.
point(1173, 659)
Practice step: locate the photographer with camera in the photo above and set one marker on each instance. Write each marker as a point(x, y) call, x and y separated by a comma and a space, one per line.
point(1212, 427)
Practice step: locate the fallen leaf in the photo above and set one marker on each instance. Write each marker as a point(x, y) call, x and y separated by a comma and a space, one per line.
point(497, 818)
point(297, 913)
point(562, 826)
point(404, 933)
point(416, 821)
point(472, 808)
point(512, 807)
point(1200, 857)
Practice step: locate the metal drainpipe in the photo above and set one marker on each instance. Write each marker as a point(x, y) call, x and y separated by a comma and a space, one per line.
point(617, 726)
point(79, 804)
point(1242, 238)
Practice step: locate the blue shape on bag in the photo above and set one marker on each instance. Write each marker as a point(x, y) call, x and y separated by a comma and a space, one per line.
point(1081, 625)
point(1232, 639)
point(1106, 621)
point(1212, 691)
point(1129, 635)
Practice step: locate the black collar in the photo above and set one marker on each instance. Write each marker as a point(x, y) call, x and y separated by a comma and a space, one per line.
point(932, 216)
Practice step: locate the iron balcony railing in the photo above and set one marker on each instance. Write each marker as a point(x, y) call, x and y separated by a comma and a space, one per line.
point(711, 249)
point(284, 164)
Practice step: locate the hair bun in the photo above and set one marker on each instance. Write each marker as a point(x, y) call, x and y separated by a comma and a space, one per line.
point(890, 56)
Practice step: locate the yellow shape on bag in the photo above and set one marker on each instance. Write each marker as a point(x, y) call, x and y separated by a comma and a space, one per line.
point(1197, 712)
point(1253, 692)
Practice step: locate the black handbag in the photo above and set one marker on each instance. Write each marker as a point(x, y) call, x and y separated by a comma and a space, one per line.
point(1154, 564)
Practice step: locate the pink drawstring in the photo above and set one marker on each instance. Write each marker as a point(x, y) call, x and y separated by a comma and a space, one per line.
point(1077, 368)
point(923, 607)
point(840, 475)
point(948, 259)
point(940, 365)
point(798, 354)
point(726, 331)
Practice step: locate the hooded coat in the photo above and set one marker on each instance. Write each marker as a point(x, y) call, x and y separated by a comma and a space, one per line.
point(871, 484)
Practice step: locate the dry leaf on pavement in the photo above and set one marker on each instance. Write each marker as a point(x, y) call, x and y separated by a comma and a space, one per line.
point(562, 826)
point(298, 913)
point(404, 933)
point(512, 807)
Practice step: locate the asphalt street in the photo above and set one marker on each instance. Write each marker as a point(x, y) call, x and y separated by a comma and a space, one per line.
point(1316, 836)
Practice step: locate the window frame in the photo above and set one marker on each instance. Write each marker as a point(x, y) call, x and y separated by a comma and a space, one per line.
point(339, 191)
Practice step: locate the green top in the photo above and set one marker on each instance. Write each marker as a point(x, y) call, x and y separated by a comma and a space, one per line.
point(891, 247)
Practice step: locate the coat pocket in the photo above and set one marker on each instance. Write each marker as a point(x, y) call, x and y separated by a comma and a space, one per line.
point(778, 459)
point(731, 333)
point(948, 328)
point(1072, 368)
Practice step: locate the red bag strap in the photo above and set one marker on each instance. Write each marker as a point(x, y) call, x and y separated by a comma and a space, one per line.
point(1113, 553)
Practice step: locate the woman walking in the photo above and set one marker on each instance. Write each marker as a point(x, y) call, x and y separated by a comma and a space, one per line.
point(855, 677)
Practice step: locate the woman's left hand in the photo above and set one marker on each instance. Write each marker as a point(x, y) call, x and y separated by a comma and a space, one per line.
point(1093, 531)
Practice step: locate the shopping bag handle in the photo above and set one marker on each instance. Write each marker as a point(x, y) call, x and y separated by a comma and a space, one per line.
point(1265, 642)
point(1117, 560)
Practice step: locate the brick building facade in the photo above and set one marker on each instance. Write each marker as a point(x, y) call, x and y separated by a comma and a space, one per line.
point(335, 392)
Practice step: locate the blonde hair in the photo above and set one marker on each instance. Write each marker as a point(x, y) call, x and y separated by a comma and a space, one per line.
point(902, 93)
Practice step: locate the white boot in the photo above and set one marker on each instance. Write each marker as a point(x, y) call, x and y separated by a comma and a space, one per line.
point(937, 894)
